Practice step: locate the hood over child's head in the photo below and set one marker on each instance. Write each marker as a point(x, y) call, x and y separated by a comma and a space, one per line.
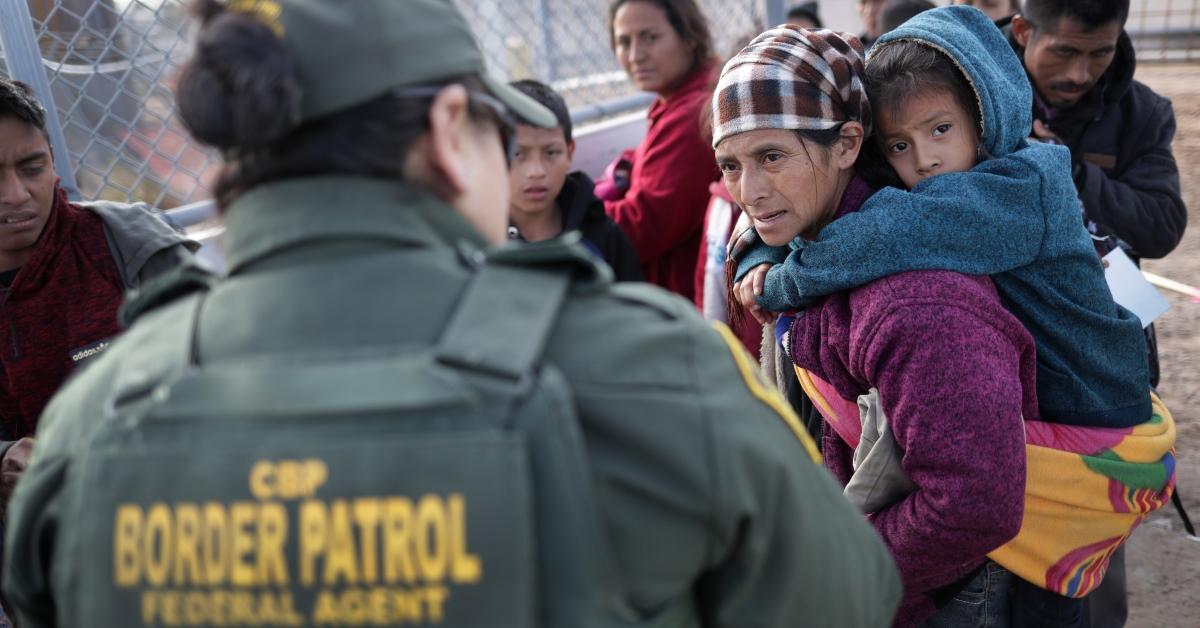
point(995, 78)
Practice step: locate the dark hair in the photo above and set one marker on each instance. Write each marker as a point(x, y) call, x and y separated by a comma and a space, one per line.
point(899, 69)
point(240, 93)
point(805, 11)
point(897, 12)
point(684, 16)
point(548, 98)
point(18, 101)
point(1092, 14)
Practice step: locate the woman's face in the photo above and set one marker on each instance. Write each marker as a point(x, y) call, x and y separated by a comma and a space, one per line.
point(648, 48)
point(786, 186)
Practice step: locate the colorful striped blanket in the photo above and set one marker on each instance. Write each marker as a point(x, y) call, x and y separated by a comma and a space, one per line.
point(1086, 489)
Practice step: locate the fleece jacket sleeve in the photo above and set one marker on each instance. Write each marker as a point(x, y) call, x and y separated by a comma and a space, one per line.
point(988, 220)
point(1142, 205)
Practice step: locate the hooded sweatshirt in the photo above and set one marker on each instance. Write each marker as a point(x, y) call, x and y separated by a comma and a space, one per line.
point(1015, 217)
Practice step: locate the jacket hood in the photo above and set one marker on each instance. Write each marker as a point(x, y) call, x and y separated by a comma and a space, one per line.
point(984, 55)
point(577, 202)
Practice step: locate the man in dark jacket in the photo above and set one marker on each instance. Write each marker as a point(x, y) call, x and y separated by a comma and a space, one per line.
point(1081, 64)
point(546, 202)
point(64, 269)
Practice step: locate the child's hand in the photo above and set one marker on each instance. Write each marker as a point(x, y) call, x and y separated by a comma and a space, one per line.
point(750, 287)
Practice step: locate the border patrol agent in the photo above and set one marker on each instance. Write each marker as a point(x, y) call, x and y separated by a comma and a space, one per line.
point(378, 419)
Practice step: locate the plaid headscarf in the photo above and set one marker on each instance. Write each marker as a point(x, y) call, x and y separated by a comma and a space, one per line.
point(792, 78)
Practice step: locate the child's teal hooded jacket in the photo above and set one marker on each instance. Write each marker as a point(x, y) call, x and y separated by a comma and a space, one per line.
point(1015, 217)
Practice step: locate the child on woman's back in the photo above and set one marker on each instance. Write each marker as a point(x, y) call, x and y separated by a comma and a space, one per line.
point(953, 113)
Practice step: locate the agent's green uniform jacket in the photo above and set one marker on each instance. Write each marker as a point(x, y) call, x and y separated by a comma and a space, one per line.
point(281, 449)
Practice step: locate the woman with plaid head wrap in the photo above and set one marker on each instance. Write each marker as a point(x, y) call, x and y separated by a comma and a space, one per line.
point(935, 349)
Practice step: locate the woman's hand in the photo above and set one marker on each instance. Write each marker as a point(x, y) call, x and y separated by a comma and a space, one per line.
point(749, 288)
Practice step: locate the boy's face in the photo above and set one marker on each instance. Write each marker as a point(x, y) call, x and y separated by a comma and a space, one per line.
point(27, 180)
point(537, 173)
point(929, 134)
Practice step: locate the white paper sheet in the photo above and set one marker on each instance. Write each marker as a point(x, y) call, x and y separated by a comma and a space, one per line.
point(1130, 288)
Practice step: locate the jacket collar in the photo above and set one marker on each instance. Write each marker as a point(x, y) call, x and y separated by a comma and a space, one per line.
point(699, 79)
point(57, 231)
point(279, 216)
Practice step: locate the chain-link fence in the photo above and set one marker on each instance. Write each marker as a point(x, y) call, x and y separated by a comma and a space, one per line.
point(1165, 30)
point(110, 66)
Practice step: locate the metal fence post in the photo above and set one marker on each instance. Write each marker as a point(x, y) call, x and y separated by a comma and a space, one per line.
point(24, 60)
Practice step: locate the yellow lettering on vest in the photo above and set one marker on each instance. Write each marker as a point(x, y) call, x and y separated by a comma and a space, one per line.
point(196, 609)
point(316, 472)
point(367, 513)
point(220, 608)
point(353, 607)
point(435, 601)
point(156, 544)
point(340, 560)
point(376, 612)
point(262, 480)
point(287, 479)
point(431, 538)
point(406, 606)
point(170, 609)
point(397, 541)
point(325, 609)
point(216, 544)
point(187, 544)
point(272, 536)
point(241, 609)
point(241, 571)
point(465, 566)
point(313, 530)
point(149, 608)
point(127, 561)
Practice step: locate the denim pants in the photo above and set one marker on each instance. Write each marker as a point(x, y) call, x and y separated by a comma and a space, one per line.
point(982, 603)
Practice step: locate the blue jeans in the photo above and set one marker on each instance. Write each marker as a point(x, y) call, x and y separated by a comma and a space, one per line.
point(982, 603)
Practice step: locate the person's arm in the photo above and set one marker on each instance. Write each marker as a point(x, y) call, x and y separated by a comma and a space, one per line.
point(1142, 206)
point(668, 189)
point(988, 220)
point(696, 457)
point(780, 517)
point(950, 385)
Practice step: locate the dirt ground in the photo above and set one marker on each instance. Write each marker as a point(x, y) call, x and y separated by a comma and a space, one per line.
point(1163, 563)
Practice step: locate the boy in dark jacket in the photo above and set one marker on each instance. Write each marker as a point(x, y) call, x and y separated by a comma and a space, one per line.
point(546, 202)
point(64, 269)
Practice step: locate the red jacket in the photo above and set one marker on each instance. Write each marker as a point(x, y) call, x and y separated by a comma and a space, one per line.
point(663, 210)
point(60, 310)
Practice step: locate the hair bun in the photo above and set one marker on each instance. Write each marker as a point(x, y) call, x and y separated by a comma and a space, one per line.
point(240, 89)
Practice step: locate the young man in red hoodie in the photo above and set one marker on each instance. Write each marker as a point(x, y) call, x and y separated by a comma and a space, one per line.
point(64, 270)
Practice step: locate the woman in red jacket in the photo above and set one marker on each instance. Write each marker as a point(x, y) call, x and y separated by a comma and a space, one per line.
point(665, 47)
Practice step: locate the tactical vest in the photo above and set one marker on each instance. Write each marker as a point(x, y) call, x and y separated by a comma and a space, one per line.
point(447, 485)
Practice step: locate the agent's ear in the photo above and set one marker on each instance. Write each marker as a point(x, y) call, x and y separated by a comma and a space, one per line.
point(1022, 30)
point(848, 145)
point(571, 151)
point(449, 120)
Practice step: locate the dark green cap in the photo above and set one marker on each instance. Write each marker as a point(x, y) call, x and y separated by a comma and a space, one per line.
point(351, 51)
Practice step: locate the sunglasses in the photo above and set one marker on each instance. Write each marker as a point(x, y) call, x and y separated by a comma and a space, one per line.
point(505, 121)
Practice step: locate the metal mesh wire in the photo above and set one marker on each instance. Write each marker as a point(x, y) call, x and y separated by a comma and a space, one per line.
point(566, 44)
point(111, 64)
point(1165, 30)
